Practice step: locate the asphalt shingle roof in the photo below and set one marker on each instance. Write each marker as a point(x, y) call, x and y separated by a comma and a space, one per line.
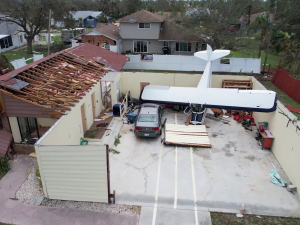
point(142, 16)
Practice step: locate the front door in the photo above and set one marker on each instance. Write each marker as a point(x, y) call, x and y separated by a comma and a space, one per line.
point(83, 118)
point(142, 85)
point(93, 105)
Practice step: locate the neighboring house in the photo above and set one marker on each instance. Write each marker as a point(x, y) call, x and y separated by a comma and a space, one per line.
point(10, 36)
point(89, 18)
point(105, 35)
point(147, 32)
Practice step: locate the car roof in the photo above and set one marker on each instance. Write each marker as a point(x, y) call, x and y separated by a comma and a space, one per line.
point(149, 108)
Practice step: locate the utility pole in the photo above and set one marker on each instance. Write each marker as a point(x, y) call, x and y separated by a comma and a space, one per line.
point(49, 31)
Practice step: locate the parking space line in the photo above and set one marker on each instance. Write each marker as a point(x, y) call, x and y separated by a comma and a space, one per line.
point(194, 186)
point(175, 194)
point(157, 187)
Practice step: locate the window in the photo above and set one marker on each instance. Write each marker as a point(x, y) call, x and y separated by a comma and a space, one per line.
point(144, 25)
point(107, 46)
point(27, 126)
point(183, 47)
point(166, 44)
point(147, 118)
point(140, 46)
point(1, 125)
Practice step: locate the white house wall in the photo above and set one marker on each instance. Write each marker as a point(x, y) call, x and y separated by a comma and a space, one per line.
point(77, 173)
point(286, 145)
point(154, 46)
point(69, 129)
point(46, 122)
point(131, 81)
point(132, 31)
point(192, 63)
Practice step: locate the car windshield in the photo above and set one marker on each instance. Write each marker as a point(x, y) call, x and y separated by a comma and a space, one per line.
point(147, 118)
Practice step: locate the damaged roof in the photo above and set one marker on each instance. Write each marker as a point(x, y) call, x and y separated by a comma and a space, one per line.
point(109, 30)
point(109, 59)
point(55, 82)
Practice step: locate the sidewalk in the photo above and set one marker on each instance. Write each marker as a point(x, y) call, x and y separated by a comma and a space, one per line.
point(15, 212)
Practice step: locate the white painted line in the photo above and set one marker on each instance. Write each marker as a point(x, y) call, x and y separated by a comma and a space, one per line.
point(175, 195)
point(157, 187)
point(194, 186)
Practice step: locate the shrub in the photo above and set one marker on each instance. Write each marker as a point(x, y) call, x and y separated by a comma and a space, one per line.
point(4, 165)
point(92, 135)
point(38, 175)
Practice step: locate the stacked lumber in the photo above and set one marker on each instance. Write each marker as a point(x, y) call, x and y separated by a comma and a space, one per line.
point(238, 84)
point(186, 135)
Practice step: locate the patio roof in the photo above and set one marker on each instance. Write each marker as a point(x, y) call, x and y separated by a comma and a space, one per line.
point(57, 82)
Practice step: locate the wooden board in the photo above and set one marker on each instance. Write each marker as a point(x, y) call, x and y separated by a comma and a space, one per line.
point(193, 135)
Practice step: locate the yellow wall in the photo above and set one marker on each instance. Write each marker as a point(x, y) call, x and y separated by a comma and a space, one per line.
point(46, 122)
point(68, 129)
point(131, 81)
point(15, 129)
point(286, 145)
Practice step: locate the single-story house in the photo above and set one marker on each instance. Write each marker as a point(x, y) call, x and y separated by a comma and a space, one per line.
point(105, 35)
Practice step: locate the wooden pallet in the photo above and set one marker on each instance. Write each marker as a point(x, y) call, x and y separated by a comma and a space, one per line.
point(186, 135)
point(238, 84)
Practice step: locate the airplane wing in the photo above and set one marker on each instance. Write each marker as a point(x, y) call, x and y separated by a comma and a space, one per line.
point(250, 100)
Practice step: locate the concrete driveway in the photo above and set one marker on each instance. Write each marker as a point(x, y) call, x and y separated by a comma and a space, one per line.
point(233, 172)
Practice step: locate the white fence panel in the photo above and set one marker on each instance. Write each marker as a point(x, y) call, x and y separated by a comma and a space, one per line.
point(18, 63)
point(37, 57)
point(191, 63)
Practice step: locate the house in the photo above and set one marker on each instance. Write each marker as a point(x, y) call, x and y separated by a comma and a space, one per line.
point(10, 36)
point(105, 35)
point(147, 32)
point(89, 18)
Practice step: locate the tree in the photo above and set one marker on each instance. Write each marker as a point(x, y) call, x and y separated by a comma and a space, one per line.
point(32, 15)
point(283, 41)
point(102, 18)
point(80, 21)
point(5, 65)
point(211, 20)
point(264, 24)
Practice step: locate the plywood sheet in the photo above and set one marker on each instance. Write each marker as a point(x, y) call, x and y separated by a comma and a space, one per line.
point(187, 135)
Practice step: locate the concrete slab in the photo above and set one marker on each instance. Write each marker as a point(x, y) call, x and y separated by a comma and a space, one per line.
point(234, 171)
point(15, 212)
point(166, 216)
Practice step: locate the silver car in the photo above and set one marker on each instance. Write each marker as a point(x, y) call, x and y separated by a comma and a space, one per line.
point(149, 121)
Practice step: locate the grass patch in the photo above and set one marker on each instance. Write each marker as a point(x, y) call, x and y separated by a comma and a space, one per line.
point(231, 219)
point(114, 151)
point(117, 140)
point(38, 175)
point(273, 59)
point(22, 53)
point(282, 97)
point(4, 166)
point(5, 223)
point(92, 135)
point(195, 149)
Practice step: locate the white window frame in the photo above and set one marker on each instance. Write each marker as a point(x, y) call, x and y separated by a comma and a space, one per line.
point(183, 42)
point(144, 26)
point(166, 45)
point(106, 44)
point(141, 41)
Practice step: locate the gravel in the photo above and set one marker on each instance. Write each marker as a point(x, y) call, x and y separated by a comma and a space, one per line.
point(93, 206)
point(29, 190)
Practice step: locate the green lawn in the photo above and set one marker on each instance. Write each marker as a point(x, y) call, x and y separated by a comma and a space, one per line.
point(281, 96)
point(231, 219)
point(22, 53)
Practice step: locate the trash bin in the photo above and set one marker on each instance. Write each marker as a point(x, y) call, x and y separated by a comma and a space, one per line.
point(131, 117)
point(116, 109)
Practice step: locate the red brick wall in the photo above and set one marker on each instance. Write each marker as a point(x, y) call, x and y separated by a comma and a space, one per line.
point(96, 40)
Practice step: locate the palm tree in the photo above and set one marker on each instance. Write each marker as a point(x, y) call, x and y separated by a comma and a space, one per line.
point(79, 21)
point(264, 24)
point(282, 41)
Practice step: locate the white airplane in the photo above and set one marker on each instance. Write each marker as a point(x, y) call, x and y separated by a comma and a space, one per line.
point(207, 97)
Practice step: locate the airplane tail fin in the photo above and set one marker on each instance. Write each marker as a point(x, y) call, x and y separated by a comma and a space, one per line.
point(210, 55)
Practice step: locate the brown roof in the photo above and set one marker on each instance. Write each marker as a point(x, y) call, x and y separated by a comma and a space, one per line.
point(56, 82)
point(173, 32)
point(5, 140)
point(109, 30)
point(91, 52)
point(142, 16)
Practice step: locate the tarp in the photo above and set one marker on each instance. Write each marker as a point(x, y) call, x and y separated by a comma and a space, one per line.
point(287, 84)
point(275, 179)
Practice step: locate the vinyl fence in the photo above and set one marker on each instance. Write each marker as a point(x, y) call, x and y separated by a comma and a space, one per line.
point(77, 173)
point(192, 63)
